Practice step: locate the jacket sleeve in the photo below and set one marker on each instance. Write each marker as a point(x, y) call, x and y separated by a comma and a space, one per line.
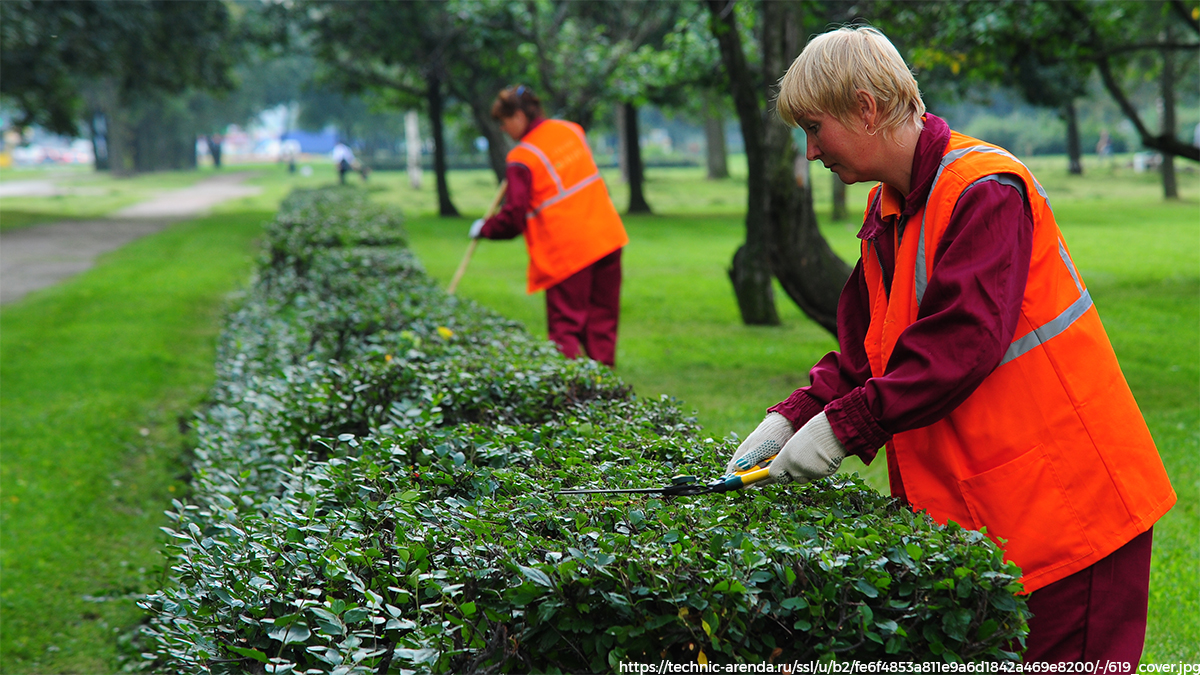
point(966, 322)
point(840, 372)
point(510, 221)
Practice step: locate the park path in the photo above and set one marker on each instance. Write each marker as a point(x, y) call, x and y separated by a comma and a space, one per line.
point(36, 257)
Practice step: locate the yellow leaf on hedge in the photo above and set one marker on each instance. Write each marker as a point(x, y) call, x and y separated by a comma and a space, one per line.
point(702, 659)
point(446, 333)
point(707, 628)
point(683, 611)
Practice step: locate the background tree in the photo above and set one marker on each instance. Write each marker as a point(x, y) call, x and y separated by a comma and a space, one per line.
point(679, 70)
point(401, 50)
point(1109, 42)
point(782, 237)
point(1046, 49)
point(750, 271)
point(486, 60)
point(122, 58)
point(572, 51)
point(363, 121)
point(716, 157)
point(581, 58)
point(1028, 47)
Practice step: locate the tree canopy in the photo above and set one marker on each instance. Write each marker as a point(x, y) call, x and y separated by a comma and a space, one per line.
point(1047, 50)
point(52, 49)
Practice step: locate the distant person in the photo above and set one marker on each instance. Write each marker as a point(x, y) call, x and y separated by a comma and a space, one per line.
point(558, 200)
point(213, 141)
point(970, 347)
point(288, 151)
point(344, 160)
point(1104, 146)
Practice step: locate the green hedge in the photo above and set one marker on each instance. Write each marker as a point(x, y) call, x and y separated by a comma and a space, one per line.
point(373, 491)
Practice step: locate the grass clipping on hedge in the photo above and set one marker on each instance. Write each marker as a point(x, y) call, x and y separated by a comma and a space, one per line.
point(373, 491)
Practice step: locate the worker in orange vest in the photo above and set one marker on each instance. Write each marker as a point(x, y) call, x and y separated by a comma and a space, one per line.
point(969, 346)
point(558, 200)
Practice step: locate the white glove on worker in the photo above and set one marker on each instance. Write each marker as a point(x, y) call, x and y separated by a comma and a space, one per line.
point(763, 443)
point(812, 453)
point(476, 228)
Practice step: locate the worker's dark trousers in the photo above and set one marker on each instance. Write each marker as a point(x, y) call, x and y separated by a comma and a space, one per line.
point(582, 310)
point(1096, 614)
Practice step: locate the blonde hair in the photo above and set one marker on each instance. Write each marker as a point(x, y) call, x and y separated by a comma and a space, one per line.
point(828, 74)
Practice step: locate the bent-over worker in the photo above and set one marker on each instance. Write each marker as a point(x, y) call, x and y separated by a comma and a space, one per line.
point(970, 347)
point(558, 200)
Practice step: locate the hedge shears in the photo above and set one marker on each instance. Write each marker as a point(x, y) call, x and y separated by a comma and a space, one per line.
point(686, 486)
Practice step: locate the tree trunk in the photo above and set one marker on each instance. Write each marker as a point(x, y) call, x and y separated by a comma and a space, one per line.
point(433, 93)
point(1167, 83)
point(839, 197)
point(164, 136)
point(120, 142)
point(622, 151)
point(633, 153)
point(751, 270)
point(498, 142)
point(807, 269)
point(714, 144)
point(117, 131)
point(99, 133)
point(412, 148)
point(1074, 153)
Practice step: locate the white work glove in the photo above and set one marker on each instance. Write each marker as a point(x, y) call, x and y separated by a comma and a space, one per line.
point(763, 443)
point(814, 452)
point(476, 228)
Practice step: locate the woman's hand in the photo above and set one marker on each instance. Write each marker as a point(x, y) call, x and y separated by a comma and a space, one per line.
point(763, 443)
point(813, 452)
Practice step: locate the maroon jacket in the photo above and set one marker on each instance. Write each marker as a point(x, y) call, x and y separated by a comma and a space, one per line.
point(973, 297)
point(510, 221)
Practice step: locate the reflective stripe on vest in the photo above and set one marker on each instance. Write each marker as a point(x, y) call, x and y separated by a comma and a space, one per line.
point(947, 160)
point(1041, 334)
point(563, 193)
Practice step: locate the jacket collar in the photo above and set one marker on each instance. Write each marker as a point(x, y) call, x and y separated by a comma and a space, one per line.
point(533, 124)
point(931, 146)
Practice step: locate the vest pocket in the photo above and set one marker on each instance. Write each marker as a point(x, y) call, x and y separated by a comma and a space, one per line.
point(1023, 502)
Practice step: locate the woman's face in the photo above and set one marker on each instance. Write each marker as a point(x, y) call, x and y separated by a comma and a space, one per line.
point(846, 151)
point(515, 126)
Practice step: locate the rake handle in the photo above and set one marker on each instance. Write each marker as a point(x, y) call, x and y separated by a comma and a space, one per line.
point(462, 266)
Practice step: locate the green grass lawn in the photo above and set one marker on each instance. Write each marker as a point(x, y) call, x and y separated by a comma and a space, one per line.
point(95, 373)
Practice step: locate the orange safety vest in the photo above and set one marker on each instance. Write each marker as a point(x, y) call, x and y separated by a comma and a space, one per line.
point(572, 222)
point(1050, 454)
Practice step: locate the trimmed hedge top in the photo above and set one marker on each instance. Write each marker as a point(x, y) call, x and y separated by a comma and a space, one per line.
point(373, 491)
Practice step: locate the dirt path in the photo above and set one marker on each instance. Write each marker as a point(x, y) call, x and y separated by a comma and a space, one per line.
point(35, 257)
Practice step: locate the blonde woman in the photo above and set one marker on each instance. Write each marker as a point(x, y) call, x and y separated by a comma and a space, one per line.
point(970, 348)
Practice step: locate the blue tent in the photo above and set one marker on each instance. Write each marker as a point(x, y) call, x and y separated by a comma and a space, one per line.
point(316, 143)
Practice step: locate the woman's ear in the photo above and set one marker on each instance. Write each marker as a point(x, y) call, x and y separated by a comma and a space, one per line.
point(868, 108)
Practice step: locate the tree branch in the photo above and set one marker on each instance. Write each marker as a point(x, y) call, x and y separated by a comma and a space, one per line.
point(1186, 15)
point(374, 78)
point(1163, 143)
point(1143, 46)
